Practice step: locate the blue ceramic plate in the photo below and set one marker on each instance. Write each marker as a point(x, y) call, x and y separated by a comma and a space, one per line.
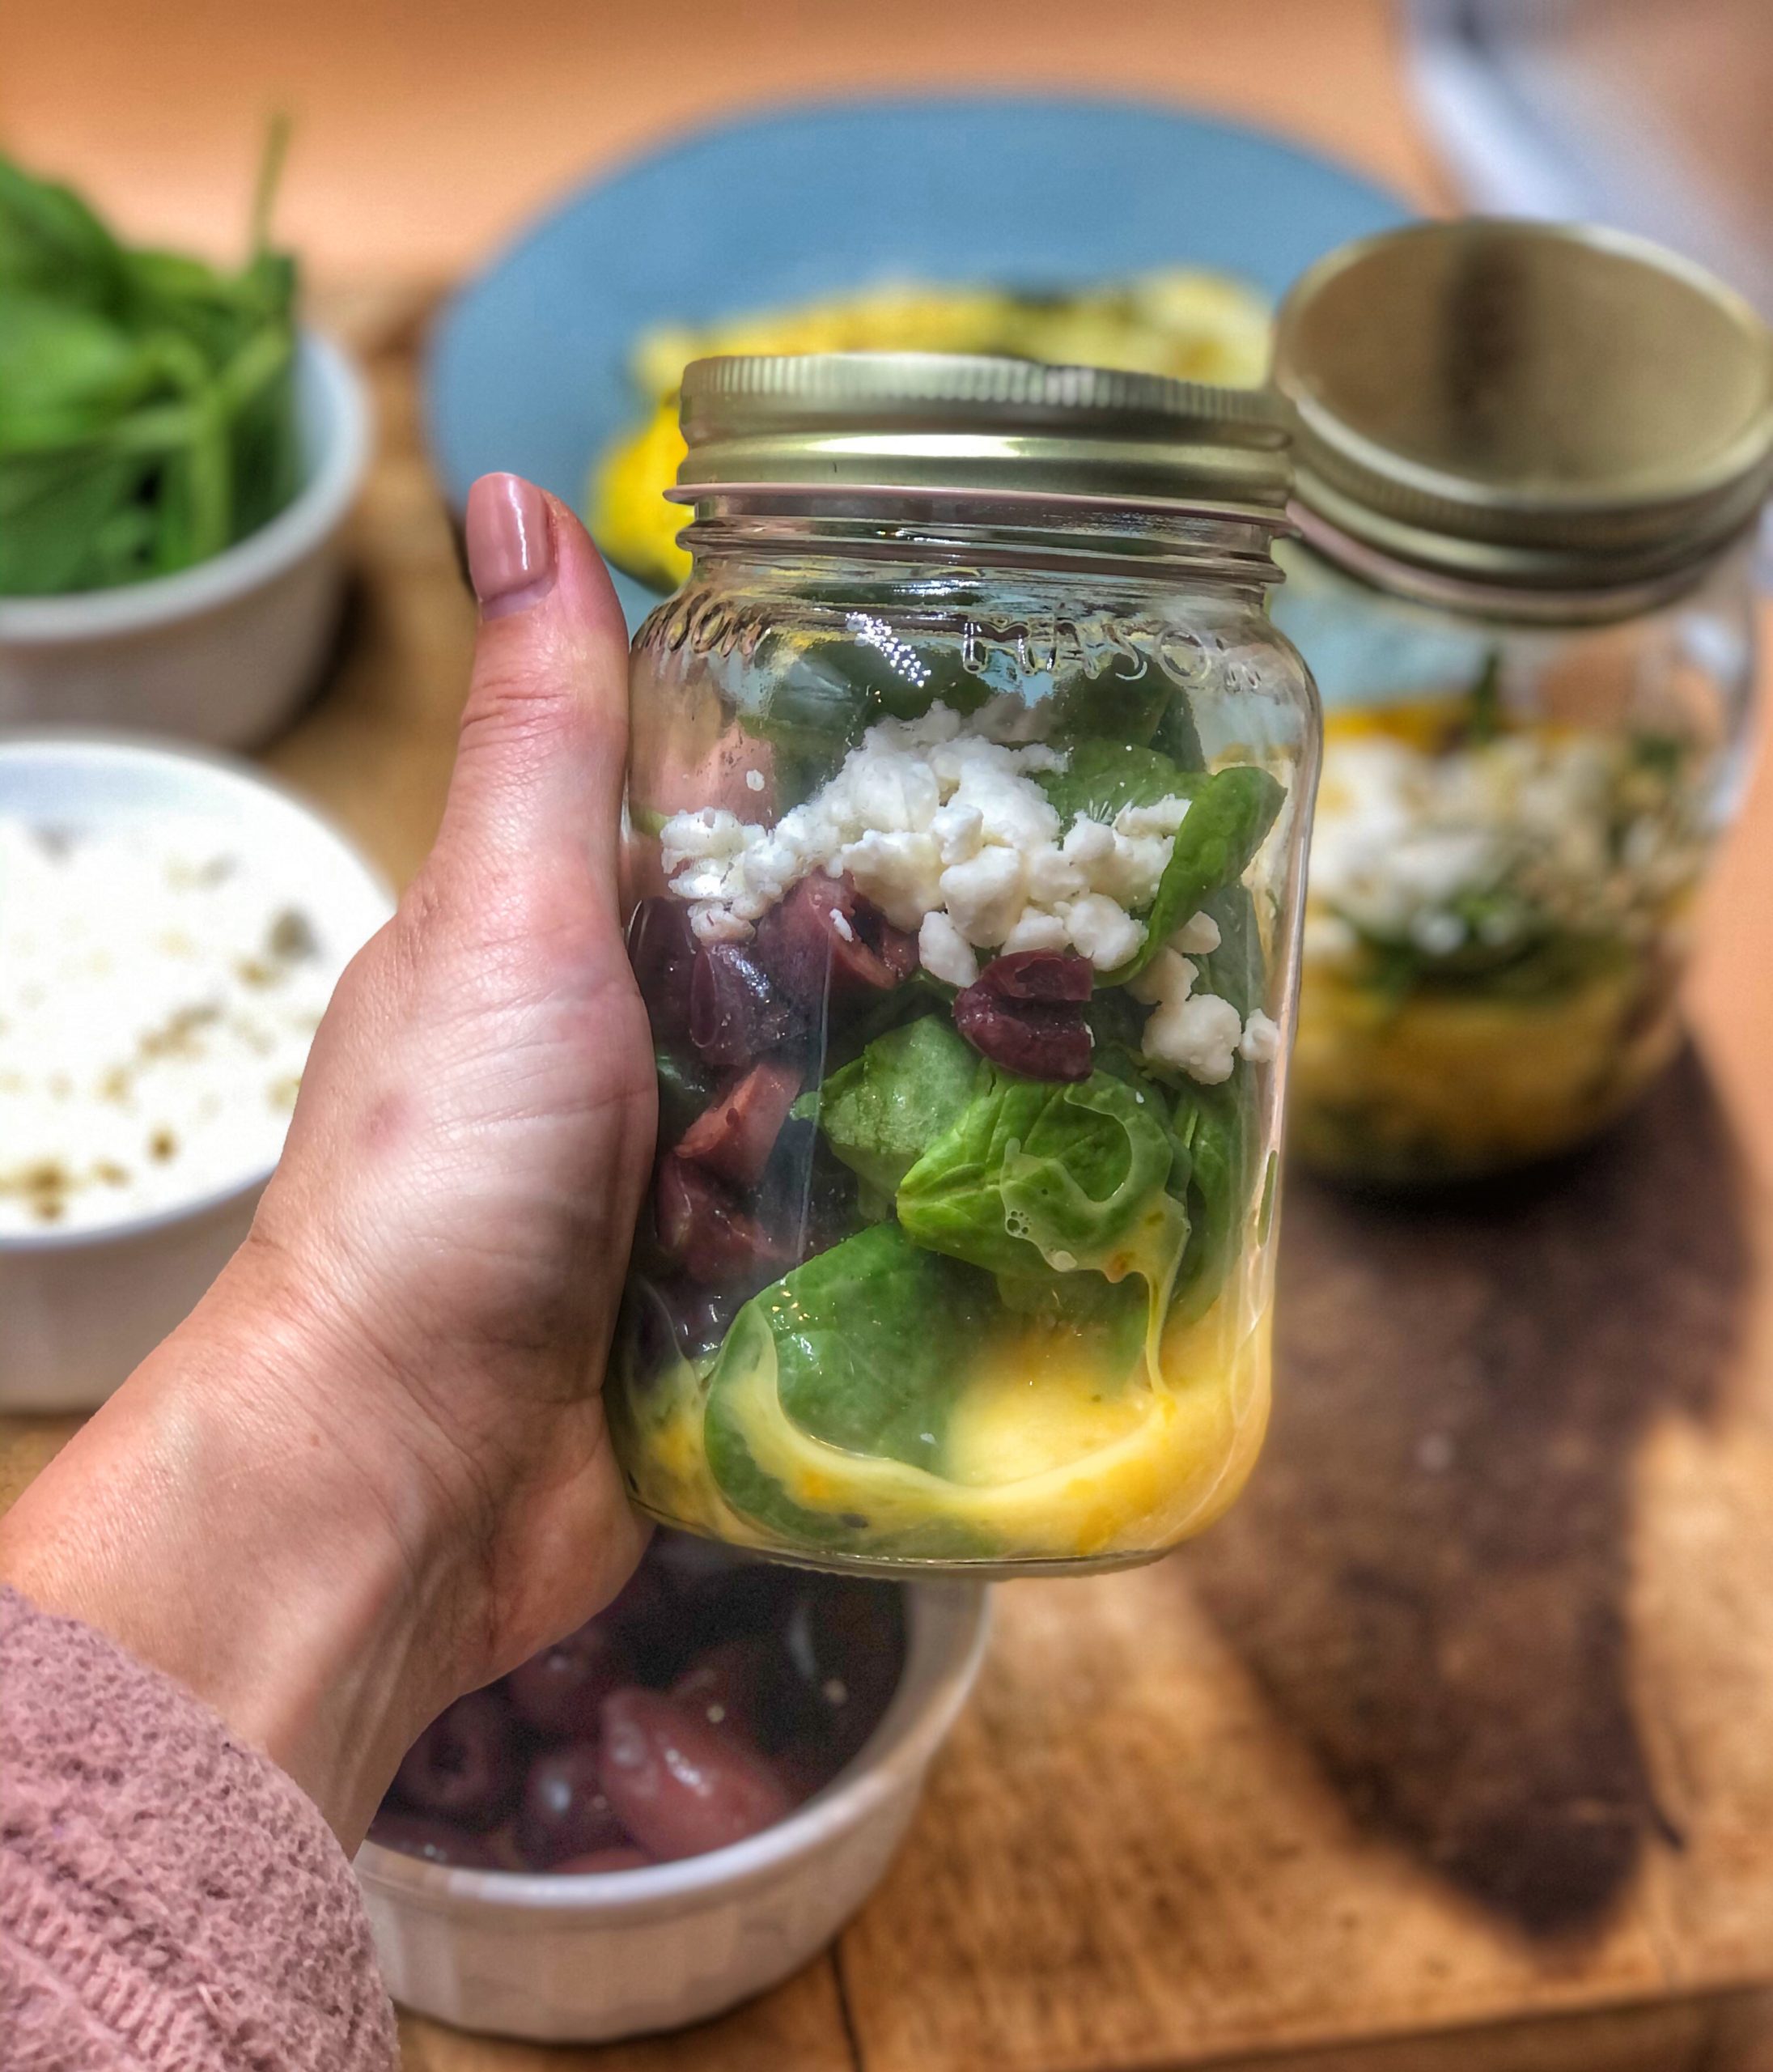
point(529, 365)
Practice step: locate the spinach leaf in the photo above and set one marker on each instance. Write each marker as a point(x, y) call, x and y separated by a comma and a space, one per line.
point(1232, 812)
point(1146, 708)
point(1237, 970)
point(880, 1113)
point(1101, 776)
point(858, 1349)
point(1108, 1317)
point(147, 415)
point(822, 696)
point(1215, 1130)
point(1036, 1180)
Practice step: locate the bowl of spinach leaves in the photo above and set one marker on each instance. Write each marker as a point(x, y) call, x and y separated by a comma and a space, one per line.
point(177, 458)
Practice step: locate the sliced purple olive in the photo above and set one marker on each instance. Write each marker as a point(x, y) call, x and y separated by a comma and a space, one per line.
point(824, 936)
point(735, 1013)
point(1039, 975)
point(678, 1785)
point(845, 1649)
point(558, 1691)
point(663, 952)
point(465, 1764)
point(564, 1811)
point(704, 1230)
point(735, 1135)
point(1025, 1013)
point(727, 1684)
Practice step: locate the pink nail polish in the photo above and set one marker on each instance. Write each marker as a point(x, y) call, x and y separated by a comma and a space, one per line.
point(511, 544)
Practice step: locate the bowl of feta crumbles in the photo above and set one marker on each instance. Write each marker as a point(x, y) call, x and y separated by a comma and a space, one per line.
point(171, 928)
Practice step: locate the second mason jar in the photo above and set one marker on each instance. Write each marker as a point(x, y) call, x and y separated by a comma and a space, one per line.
point(1531, 458)
point(968, 807)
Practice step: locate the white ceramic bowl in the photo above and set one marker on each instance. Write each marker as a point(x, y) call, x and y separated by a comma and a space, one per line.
point(586, 1959)
point(78, 1311)
point(222, 652)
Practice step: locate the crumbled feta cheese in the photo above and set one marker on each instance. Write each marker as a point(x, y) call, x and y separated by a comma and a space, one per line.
point(1261, 1040)
point(1052, 881)
point(900, 872)
point(1167, 977)
point(1036, 931)
point(160, 984)
point(959, 831)
point(930, 815)
point(985, 897)
point(944, 953)
point(1130, 875)
point(1089, 844)
point(1162, 817)
point(1198, 1035)
point(840, 923)
point(712, 832)
point(1197, 937)
point(710, 922)
point(1104, 933)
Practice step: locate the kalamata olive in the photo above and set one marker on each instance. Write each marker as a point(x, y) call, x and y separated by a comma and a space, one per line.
point(679, 1785)
point(702, 1227)
point(663, 951)
point(1039, 975)
point(736, 1014)
point(565, 1812)
point(845, 1644)
point(465, 1765)
point(735, 1134)
point(437, 1841)
point(825, 936)
point(1025, 1013)
point(599, 1860)
point(727, 1684)
point(558, 1691)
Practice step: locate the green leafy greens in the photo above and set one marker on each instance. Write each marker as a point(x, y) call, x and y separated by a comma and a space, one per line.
point(881, 1113)
point(1037, 1178)
point(863, 1343)
point(147, 412)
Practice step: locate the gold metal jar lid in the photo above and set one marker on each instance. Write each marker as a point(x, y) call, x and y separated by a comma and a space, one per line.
point(893, 423)
point(1524, 404)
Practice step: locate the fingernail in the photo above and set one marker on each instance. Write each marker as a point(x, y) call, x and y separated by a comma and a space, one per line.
point(510, 545)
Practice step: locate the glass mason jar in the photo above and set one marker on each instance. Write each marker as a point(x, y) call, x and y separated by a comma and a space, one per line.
point(1530, 461)
point(967, 810)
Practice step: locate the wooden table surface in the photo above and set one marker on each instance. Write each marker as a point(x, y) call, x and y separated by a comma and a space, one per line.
point(1453, 1745)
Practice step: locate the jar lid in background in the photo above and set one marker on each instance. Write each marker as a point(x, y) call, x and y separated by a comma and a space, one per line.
point(865, 424)
point(1525, 404)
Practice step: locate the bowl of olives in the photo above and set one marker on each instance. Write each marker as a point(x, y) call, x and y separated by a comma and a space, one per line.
point(672, 1808)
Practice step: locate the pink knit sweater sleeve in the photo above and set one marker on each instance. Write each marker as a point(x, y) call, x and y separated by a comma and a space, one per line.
point(169, 1898)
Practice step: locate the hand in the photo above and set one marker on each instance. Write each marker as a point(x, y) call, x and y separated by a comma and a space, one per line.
point(371, 1470)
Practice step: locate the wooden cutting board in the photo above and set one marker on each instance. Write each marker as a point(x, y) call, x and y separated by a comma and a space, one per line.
point(1452, 1746)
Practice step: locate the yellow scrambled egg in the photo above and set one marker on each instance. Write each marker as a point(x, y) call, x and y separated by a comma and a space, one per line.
point(1179, 321)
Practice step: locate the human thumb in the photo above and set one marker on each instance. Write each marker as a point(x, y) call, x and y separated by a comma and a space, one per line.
point(545, 730)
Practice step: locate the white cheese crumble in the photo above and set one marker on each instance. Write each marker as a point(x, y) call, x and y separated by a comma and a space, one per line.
point(1198, 1034)
point(941, 824)
point(931, 815)
point(1490, 841)
point(159, 991)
